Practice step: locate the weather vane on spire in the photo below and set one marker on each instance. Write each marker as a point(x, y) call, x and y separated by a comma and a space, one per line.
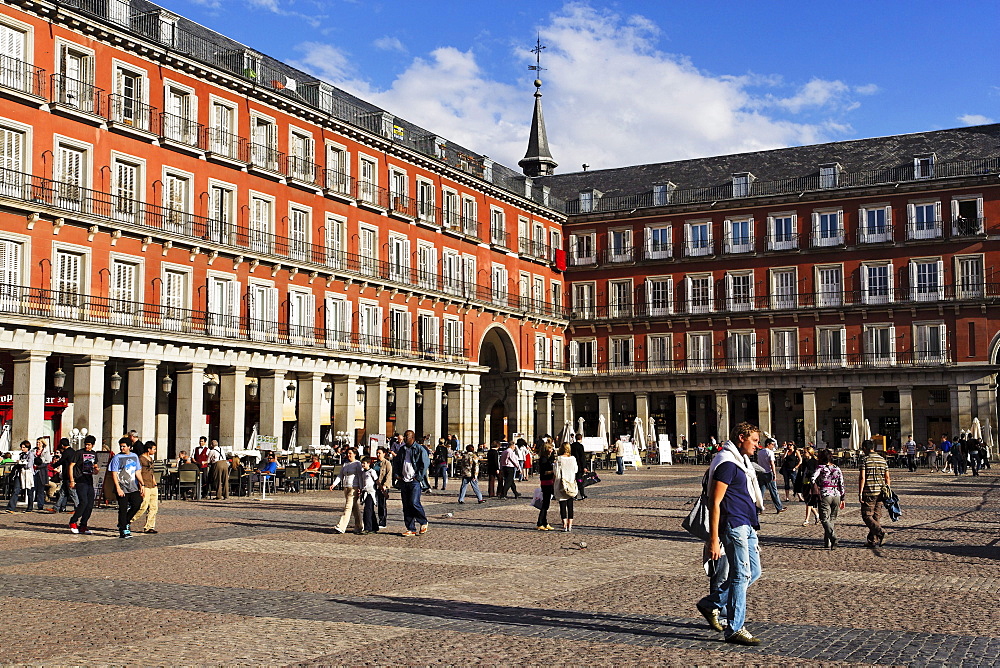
point(537, 67)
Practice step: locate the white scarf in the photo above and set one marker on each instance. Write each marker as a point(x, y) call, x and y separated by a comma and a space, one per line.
point(730, 453)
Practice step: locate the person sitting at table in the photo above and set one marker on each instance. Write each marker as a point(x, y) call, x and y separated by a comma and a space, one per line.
point(314, 466)
point(183, 457)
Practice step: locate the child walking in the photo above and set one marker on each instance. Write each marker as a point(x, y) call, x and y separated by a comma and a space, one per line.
point(368, 497)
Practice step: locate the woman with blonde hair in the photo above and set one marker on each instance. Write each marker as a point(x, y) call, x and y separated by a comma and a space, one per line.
point(546, 480)
point(564, 484)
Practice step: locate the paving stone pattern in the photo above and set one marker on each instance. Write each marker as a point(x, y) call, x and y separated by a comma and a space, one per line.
point(266, 583)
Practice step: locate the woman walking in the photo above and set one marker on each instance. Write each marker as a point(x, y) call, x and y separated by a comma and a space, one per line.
point(546, 479)
point(830, 480)
point(564, 487)
point(803, 485)
point(789, 465)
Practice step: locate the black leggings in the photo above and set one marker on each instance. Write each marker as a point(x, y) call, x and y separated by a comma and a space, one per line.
point(789, 477)
point(544, 510)
point(566, 509)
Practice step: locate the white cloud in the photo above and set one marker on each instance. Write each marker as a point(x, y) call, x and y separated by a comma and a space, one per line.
point(283, 8)
point(389, 44)
point(975, 119)
point(611, 98)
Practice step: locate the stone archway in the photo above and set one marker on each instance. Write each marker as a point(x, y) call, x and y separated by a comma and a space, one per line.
point(498, 386)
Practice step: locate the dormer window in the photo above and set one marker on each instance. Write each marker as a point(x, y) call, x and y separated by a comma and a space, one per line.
point(661, 193)
point(488, 170)
point(741, 184)
point(588, 200)
point(923, 166)
point(829, 175)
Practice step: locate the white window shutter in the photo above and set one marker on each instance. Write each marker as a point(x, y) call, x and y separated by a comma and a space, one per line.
point(888, 216)
point(864, 283)
point(647, 243)
point(310, 314)
point(890, 276)
point(892, 344)
point(729, 290)
point(940, 279)
point(687, 238)
point(913, 280)
point(943, 334)
point(843, 344)
point(954, 209)
point(711, 294)
point(670, 295)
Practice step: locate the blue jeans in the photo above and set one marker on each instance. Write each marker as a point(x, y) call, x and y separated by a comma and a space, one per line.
point(441, 471)
point(718, 578)
point(740, 544)
point(15, 492)
point(772, 488)
point(475, 488)
point(621, 465)
point(66, 494)
point(413, 512)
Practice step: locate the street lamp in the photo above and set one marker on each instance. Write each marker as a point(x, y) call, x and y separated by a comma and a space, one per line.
point(116, 381)
point(419, 400)
point(361, 394)
point(253, 387)
point(390, 395)
point(59, 379)
point(212, 387)
point(167, 384)
point(290, 391)
point(328, 392)
point(444, 400)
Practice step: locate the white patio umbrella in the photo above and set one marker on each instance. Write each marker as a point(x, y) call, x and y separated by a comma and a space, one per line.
point(654, 441)
point(868, 430)
point(566, 435)
point(855, 437)
point(638, 437)
point(252, 441)
point(977, 429)
point(602, 429)
point(579, 425)
point(989, 440)
point(293, 437)
point(5, 438)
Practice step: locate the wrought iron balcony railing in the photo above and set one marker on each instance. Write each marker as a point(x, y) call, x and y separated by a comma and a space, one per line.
point(78, 95)
point(132, 113)
point(21, 76)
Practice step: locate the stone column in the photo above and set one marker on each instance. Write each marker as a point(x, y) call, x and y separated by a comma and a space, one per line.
point(376, 406)
point(164, 451)
point(473, 435)
point(562, 413)
point(271, 392)
point(764, 411)
point(189, 386)
point(406, 406)
point(809, 417)
point(233, 408)
point(722, 415)
point(961, 407)
point(310, 412)
point(682, 420)
point(642, 410)
point(29, 397)
point(604, 408)
point(114, 412)
point(88, 394)
point(432, 411)
point(140, 412)
point(905, 412)
point(544, 413)
point(345, 404)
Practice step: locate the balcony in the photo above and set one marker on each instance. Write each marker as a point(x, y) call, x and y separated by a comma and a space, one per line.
point(227, 147)
point(500, 237)
point(875, 234)
point(658, 251)
point(535, 249)
point(131, 114)
point(578, 259)
point(698, 248)
point(267, 159)
point(968, 227)
point(21, 77)
point(828, 238)
point(454, 222)
point(931, 229)
point(403, 206)
point(303, 171)
point(783, 242)
point(77, 97)
point(736, 244)
point(339, 185)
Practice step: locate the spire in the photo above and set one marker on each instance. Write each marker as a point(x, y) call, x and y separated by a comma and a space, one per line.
point(537, 160)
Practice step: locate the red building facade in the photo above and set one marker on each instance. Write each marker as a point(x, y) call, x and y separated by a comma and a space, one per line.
point(197, 239)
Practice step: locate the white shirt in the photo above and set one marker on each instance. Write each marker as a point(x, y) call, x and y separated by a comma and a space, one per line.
point(350, 474)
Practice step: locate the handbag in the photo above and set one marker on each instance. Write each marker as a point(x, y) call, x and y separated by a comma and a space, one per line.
point(696, 522)
point(536, 500)
point(589, 478)
point(891, 503)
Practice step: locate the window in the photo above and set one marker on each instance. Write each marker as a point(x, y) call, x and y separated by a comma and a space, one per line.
point(469, 274)
point(698, 238)
point(336, 240)
point(370, 327)
point(125, 190)
point(970, 277)
point(454, 338)
point(829, 175)
point(828, 228)
point(538, 292)
point(622, 353)
point(739, 235)
point(178, 116)
point(659, 296)
point(932, 343)
point(223, 306)
point(582, 249)
point(620, 299)
point(555, 244)
point(876, 283)
point(261, 223)
point(426, 266)
point(299, 223)
point(450, 209)
point(923, 166)
point(399, 259)
point(583, 355)
point(784, 231)
point(741, 184)
point(337, 169)
point(659, 353)
point(967, 215)
point(368, 251)
point(264, 146)
point(739, 291)
point(784, 288)
point(784, 348)
point(451, 272)
point(177, 203)
point(699, 351)
point(619, 245)
point(11, 280)
point(659, 242)
point(428, 328)
point(586, 201)
point(541, 351)
point(926, 280)
point(742, 348)
point(338, 322)
point(499, 284)
point(128, 102)
point(71, 175)
point(498, 227)
point(699, 293)
point(12, 167)
point(924, 220)
point(875, 224)
point(222, 136)
point(262, 307)
point(301, 157)
point(557, 297)
point(470, 218)
point(74, 83)
point(174, 299)
point(832, 348)
point(13, 47)
point(399, 328)
point(221, 216)
point(397, 185)
point(880, 345)
point(583, 301)
point(68, 277)
point(425, 201)
point(830, 286)
point(661, 193)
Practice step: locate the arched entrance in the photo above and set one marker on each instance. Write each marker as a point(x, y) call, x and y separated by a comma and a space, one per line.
point(498, 389)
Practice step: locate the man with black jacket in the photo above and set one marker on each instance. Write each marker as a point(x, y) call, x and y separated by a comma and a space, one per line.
point(493, 467)
point(576, 449)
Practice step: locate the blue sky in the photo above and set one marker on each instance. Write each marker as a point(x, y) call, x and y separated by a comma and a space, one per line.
point(641, 81)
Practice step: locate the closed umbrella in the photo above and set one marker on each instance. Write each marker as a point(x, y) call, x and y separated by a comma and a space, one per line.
point(639, 438)
point(579, 425)
point(5, 437)
point(977, 429)
point(602, 429)
point(868, 430)
point(855, 440)
point(989, 440)
point(566, 435)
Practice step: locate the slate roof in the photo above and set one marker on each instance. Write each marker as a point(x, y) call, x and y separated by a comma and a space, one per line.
point(968, 143)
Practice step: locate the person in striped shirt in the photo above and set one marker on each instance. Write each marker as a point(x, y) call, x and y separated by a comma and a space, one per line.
point(872, 481)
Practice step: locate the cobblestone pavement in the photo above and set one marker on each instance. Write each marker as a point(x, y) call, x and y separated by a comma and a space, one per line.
point(265, 582)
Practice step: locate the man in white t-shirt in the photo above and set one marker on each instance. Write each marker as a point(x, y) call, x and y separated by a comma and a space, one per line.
point(765, 457)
